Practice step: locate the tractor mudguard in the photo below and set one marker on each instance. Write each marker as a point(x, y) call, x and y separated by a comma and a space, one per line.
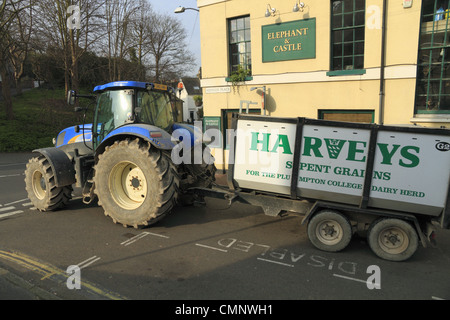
point(157, 137)
point(62, 166)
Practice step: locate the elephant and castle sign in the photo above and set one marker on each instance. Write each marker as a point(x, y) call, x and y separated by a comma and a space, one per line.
point(293, 40)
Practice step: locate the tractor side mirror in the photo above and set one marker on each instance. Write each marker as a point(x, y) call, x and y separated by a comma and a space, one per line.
point(71, 97)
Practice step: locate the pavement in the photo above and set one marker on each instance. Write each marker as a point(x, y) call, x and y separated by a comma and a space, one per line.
point(13, 287)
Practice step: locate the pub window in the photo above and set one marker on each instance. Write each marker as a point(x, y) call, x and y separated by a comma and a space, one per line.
point(240, 50)
point(433, 74)
point(347, 34)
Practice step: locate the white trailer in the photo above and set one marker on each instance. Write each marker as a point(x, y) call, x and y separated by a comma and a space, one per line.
point(390, 183)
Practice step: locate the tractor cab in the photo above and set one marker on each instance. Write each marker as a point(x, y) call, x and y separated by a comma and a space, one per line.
point(128, 102)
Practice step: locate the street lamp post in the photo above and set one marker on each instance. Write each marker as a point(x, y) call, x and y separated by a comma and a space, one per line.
point(183, 9)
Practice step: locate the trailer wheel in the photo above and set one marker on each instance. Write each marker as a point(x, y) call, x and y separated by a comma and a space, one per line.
point(330, 231)
point(393, 239)
point(135, 184)
point(41, 187)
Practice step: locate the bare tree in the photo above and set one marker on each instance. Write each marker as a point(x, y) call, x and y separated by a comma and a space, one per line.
point(52, 32)
point(167, 47)
point(82, 37)
point(73, 39)
point(140, 37)
point(119, 15)
point(19, 40)
point(9, 12)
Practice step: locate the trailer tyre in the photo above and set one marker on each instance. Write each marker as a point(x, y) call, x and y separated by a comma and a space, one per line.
point(330, 231)
point(393, 239)
point(41, 186)
point(136, 184)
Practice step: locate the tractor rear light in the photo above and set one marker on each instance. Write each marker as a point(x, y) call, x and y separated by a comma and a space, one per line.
point(156, 134)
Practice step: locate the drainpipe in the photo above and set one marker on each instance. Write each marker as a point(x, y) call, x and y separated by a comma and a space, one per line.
point(383, 62)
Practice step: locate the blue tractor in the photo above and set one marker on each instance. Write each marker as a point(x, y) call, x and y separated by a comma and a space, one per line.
point(125, 158)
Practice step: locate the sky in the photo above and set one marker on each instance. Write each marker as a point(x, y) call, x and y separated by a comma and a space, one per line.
point(191, 23)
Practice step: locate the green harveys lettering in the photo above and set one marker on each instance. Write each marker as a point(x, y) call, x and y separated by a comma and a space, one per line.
point(316, 147)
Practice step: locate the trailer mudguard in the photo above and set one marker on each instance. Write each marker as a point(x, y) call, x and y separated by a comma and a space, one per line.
point(62, 167)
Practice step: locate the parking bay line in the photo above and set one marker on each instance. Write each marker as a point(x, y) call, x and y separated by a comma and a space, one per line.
point(8, 214)
point(16, 202)
point(28, 204)
point(352, 279)
point(277, 262)
point(11, 176)
point(141, 236)
point(88, 262)
point(212, 248)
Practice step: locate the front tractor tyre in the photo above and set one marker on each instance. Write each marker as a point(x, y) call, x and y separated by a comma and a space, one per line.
point(41, 186)
point(135, 184)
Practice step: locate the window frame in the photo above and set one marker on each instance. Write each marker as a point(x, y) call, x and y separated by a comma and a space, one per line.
point(356, 10)
point(247, 44)
point(434, 42)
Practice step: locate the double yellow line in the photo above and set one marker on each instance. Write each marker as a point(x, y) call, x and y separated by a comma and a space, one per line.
point(49, 272)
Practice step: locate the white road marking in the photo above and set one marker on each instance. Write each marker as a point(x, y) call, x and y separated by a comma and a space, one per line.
point(16, 202)
point(5, 215)
point(352, 279)
point(12, 175)
point(88, 262)
point(157, 235)
point(208, 247)
point(141, 236)
point(277, 262)
point(12, 164)
point(7, 209)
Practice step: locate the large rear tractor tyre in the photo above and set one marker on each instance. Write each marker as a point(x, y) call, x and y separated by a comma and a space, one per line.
point(41, 187)
point(135, 184)
point(330, 231)
point(393, 239)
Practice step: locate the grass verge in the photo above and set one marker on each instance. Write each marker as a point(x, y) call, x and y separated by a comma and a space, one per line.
point(39, 115)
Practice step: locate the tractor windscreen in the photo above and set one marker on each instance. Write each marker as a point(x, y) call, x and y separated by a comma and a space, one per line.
point(155, 109)
point(113, 111)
